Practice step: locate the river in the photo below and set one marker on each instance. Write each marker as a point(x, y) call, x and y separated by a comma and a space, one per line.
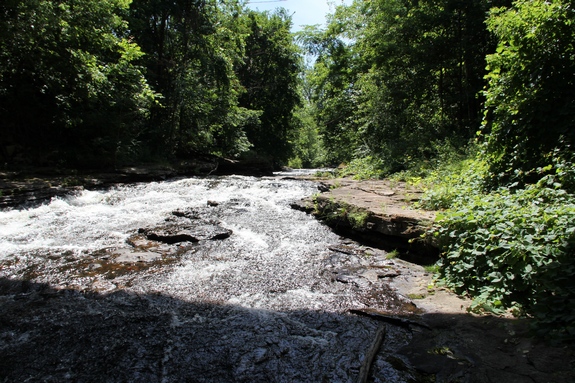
point(252, 291)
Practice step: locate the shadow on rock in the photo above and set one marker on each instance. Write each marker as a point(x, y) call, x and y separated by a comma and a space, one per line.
point(467, 348)
point(64, 335)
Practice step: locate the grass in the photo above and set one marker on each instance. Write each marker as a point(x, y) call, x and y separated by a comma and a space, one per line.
point(392, 254)
point(432, 269)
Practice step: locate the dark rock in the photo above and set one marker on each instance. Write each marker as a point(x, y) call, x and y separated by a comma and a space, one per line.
point(175, 233)
point(323, 187)
point(144, 173)
point(170, 235)
point(548, 360)
point(222, 235)
point(350, 250)
point(387, 272)
point(188, 213)
point(199, 165)
point(33, 186)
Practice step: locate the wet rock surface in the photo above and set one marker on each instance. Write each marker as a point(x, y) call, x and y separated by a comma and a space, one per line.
point(186, 226)
point(207, 280)
point(119, 337)
point(62, 334)
point(58, 334)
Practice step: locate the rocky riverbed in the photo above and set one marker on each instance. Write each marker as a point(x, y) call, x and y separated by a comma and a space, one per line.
point(190, 283)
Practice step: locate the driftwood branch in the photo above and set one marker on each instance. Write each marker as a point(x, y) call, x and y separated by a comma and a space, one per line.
point(365, 369)
point(402, 322)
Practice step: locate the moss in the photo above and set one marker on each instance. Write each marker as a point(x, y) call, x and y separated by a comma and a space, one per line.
point(392, 254)
point(358, 219)
point(336, 213)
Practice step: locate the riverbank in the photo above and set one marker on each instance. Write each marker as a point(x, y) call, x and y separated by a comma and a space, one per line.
point(32, 186)
point(378, 213)
point(453, 345)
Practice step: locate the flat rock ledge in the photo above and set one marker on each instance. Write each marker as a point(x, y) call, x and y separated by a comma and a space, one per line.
point(378, 213)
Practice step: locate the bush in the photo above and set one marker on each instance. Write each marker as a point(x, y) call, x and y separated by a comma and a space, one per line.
point(365, 168)
point(514, 249)
point(447, 184)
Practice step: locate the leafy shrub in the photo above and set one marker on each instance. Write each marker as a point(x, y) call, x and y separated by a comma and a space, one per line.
point(448, 183)
point(514, 249)
point(365, 168)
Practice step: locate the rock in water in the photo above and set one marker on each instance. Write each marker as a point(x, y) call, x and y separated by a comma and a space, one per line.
point(170, 234)
point(175, 233)
point(128, 256)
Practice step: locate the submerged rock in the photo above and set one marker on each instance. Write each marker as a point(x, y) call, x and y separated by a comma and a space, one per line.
point(129, 256)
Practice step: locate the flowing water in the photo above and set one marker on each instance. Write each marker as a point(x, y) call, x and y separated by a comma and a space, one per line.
point(86, 296)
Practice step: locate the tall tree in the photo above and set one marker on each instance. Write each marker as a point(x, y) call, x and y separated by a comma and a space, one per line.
point(192, 47)
point(269, 73)
point(400, 76)
point(309, 150)
point(331, 85)
point(531, 95)
point(428, 60)
point(69, 89)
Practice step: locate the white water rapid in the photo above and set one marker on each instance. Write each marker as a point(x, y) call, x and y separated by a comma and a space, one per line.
point(261, 304)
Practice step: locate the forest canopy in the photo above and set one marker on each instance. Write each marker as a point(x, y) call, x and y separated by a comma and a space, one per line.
point(101, 83)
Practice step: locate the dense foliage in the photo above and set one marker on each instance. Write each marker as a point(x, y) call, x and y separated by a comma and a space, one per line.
point(479, 97)
point(511, 248)
point(191, 48)
point(270, 74)
point(509, 231)
point(69, 85)
point(102, 83)
point(531, 94)
point(394, 78)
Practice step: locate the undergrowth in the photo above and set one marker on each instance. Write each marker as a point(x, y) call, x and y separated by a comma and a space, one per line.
point(365, 168)
point(510, 248)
